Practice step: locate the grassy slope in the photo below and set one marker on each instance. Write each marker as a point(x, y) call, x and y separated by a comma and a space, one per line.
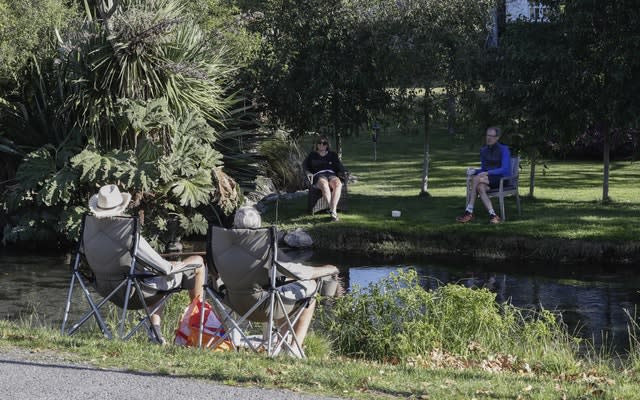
point(566, 206)
point(335, 376)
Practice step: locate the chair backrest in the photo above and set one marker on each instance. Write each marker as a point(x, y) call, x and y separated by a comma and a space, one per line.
point(244, 260)
point(515, 167)
point(242, 257)
point(113, 246)
point(108, 245)
point(515, 171)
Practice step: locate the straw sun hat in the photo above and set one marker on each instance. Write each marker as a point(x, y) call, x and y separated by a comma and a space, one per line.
point(109, 202)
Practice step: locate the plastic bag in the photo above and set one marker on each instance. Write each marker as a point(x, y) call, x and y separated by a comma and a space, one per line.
point(188, 330)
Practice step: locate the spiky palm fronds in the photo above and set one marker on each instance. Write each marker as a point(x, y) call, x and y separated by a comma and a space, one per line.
point(141, 50)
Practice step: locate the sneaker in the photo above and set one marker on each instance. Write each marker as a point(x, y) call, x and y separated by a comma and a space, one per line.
point(334, 216)
point(464, 218)
point(494, 219)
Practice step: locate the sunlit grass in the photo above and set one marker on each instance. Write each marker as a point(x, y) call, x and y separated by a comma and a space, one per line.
point(567, 202)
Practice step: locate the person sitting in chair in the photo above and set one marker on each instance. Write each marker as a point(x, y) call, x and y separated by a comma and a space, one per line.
point(326, 167)
point(109, 203)
point(249, 218)
point(495, 163)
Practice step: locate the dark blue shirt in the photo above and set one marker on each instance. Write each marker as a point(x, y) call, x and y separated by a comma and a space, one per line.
point(495, 160)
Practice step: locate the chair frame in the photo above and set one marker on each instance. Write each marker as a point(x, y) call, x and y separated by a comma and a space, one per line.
point(502, 191)
point(316, 202)
point(275, 340)
point(132, 280)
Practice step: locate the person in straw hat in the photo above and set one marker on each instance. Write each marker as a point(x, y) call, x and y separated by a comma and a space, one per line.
point(110, 202)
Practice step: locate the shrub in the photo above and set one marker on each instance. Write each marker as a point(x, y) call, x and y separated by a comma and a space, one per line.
point(396, 318)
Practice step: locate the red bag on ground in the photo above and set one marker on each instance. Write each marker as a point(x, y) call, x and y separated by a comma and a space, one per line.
point(189, 328)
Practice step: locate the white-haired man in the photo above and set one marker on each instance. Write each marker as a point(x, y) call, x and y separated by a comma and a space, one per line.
point(249, 218)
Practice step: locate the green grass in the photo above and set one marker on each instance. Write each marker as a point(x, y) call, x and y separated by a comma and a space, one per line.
point(567, 204)
point(327, 375)
point(566, 209)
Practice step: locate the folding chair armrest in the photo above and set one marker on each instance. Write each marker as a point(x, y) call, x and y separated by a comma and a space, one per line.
point(184, 268)
point(298, 271)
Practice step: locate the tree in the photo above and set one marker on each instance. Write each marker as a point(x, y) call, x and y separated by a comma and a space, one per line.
point(435, 44)
point(144, 98)
point(519, 86)
point(26, 32)
point(602, 76)
point(317, 67)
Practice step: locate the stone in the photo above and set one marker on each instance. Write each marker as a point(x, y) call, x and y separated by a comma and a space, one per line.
point(298, 238)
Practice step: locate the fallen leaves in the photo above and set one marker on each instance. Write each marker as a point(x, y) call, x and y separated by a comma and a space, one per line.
point(440, 359)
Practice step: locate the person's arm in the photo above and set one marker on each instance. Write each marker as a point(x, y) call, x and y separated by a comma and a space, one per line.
point(482, 163)
point(505, 164)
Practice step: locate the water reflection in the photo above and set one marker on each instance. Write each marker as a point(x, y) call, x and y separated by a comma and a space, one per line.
point(592, 300)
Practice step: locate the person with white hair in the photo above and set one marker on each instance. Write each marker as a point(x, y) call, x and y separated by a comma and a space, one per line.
point(249, 218)
point(109, 202)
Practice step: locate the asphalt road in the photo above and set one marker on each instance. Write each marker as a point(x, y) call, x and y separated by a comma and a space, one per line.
point(40, 376)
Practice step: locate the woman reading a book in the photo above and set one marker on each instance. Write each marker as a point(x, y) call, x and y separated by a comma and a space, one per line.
point(326, 168)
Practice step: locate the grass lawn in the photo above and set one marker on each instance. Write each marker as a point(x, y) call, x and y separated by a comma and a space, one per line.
point(566, 210)
point(567, 203)
point(321, 374)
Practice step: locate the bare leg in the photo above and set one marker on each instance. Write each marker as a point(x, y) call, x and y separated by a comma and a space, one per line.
point(302, 326)
point(156, 318)
point(323, 185)
point(482, 188)
point(477, 180)
point(336, 190)
point(199, 278)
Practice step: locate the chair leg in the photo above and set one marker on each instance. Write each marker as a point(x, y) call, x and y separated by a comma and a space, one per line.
point(504, 216)
point(518, 203)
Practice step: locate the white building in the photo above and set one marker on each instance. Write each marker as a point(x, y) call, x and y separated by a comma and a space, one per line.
point(525, 9)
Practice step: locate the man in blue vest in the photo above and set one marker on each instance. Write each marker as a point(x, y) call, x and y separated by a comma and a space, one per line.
point(495, 162)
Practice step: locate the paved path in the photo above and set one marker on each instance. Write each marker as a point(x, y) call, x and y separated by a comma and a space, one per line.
point(41, 376)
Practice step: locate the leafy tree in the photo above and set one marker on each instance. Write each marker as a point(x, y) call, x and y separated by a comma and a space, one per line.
point(519, 88)
point(317, 67)
point(603, 74)
point(145, 99)
point(26, 32)
point(434, 44)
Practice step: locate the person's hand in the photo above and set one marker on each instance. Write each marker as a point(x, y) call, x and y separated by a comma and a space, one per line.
point(471, 171)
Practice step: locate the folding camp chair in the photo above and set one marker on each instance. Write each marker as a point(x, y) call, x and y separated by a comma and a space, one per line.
point(245, 261)
point(124, 270)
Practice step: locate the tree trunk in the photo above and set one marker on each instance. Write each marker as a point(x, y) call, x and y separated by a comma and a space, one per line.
point(339, 143)
point(451, 113)
point(425, 164)
point(532, 176)
point(605, 160)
